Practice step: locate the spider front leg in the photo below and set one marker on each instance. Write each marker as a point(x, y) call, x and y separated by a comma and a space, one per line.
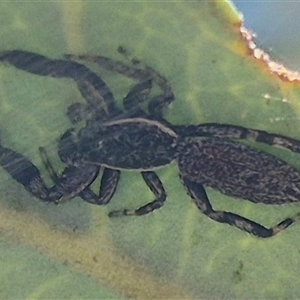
point(25, 172)
point(140, 72)
point(198, 194)
point(138, 94)
point(69, 185)
point(155, 185)
point(158, 103)
point(91, 86)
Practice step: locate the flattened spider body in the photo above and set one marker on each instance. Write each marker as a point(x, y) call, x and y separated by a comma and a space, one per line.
point(113, 140)
point(239, 171)
point(137, 144)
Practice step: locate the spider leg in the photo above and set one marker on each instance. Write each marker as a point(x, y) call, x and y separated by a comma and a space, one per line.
point(138, 94)
point(108, 186)
point(48, 165)
point(155, 185)
point(158, 103)
point(22, 170)
point(91, 86)
point(109, 182)
point(143, 74)
point(238, 132)
point(79, 111)
point(69, 185)
point(198, 194)
point(140, 74)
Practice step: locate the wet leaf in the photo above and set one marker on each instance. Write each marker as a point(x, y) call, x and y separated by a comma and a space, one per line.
point(175, 252)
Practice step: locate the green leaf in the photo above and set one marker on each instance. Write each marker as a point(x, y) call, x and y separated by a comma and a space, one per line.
point(176, 252)
point(26, 274)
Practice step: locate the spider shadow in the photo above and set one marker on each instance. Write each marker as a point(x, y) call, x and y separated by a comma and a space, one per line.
point(70, 216)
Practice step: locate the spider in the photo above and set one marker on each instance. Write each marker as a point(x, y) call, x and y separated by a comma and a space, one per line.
point(133, 140)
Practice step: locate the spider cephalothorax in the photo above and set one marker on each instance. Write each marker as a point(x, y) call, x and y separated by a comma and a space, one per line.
point(133, 140)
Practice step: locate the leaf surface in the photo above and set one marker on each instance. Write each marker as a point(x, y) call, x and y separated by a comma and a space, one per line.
point(74, 250)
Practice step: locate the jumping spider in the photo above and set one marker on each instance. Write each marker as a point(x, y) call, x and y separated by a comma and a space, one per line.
point(134, 140)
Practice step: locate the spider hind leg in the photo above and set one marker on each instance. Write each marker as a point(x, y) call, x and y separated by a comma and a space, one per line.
point(198, 194)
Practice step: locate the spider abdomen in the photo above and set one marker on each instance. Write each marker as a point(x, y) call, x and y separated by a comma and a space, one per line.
point(240, 171)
